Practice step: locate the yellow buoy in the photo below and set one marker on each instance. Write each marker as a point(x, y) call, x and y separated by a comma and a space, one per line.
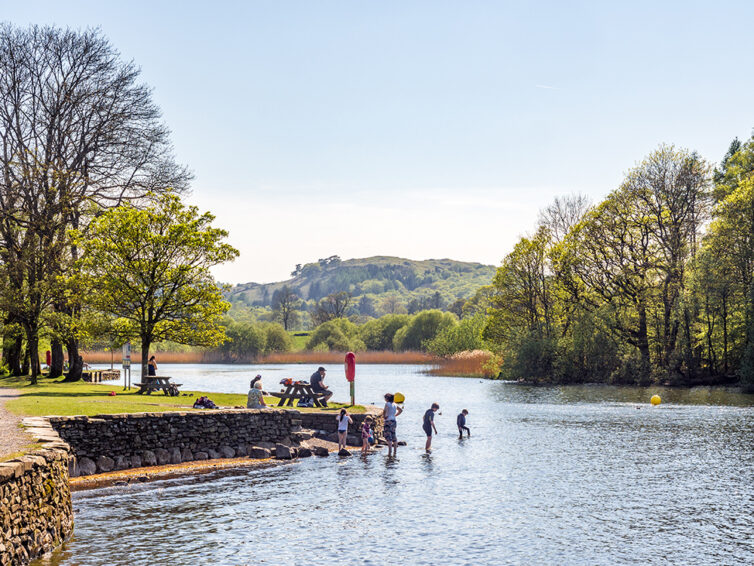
point(399, 398)
point(655, 400)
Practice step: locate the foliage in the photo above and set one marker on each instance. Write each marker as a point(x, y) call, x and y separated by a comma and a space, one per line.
point(421, 329)
point(631, 290)
point(149, 268)
point(464, 336)
point(378, 334)
point(339, 334)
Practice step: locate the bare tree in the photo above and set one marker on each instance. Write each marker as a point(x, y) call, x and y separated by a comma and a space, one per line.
point(563, 214)
point(331, 307)
point(285, 302)
point(79, 133)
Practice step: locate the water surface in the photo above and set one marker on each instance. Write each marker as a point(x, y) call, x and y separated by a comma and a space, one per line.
point(551, 475)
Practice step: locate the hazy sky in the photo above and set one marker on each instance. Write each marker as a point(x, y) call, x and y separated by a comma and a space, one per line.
point(419, 129)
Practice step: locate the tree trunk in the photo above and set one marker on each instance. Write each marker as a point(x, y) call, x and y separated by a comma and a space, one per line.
point(57, 357)
point(26, 360)
point(725, 335)
point(32, 352)
point(75, 361)
point(12, 352)
point(642, 342)
point(145, 344)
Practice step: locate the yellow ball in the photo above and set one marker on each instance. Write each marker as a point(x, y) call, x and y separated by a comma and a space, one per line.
point(655, 400)
point(399, 398)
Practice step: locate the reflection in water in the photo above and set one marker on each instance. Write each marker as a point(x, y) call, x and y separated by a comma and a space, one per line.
point(550, 475)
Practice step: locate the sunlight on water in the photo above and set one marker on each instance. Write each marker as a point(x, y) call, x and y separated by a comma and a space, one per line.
point(560, 475)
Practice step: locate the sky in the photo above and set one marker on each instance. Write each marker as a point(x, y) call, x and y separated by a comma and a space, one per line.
point(419, 129)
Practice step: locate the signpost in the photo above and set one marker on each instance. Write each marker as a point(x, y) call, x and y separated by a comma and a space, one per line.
point(126, 365)
point(351, 374)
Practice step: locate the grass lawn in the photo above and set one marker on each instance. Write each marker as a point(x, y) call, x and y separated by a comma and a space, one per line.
point(299, 342)
point(55, 397)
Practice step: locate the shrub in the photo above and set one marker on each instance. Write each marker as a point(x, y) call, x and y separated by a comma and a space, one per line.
point(421, 329)
point(339, 334)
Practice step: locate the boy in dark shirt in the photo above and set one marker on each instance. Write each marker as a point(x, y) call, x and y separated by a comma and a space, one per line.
point(461, 422)
point(429, 424)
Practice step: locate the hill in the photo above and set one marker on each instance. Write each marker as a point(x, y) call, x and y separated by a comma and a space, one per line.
point(432, 283)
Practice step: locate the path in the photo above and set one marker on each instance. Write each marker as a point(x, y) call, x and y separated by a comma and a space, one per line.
point(12, 438)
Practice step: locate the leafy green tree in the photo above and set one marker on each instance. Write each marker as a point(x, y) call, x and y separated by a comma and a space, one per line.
point(378, 334)
point(339, 334)
point(278, 340)
point(149, 268)
point(421, 329)
point(244, 340)
point(465, 336)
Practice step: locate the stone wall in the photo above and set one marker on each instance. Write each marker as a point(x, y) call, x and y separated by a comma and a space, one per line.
point(35, 503)
point(327, 422)
point(116, 442)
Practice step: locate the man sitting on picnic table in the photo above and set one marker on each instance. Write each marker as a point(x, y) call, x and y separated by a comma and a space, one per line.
point(316, 381)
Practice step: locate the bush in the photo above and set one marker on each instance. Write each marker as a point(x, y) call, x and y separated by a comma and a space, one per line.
point(421, 329)
point(339, 334)
point(465, 336)
point(378, 334)
point(278, 340)
point(244, 340)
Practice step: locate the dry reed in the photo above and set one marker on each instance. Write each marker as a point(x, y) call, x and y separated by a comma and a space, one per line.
point(304, 357)
point(475, 363)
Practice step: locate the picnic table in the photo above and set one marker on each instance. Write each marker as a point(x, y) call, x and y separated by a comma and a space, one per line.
point(298, 390)
point(155, 382)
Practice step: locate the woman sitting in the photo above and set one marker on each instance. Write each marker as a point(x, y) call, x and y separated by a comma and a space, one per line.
point(256, 398)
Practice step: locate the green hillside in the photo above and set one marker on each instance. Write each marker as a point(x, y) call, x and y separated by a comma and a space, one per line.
point(376, 284)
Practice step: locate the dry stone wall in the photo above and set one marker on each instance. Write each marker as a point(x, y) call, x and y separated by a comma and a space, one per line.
point(36, 513)
point(326, 422)
point(116, 442)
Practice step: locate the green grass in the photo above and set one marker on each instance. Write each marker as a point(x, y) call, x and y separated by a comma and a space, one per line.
point(299, 342)
point(56, 397)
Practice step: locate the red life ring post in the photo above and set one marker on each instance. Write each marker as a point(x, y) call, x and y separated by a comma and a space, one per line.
point(350, 364)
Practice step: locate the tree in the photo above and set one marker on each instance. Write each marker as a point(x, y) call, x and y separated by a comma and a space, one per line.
point(563, 214)
point(285, 303)
point(331, 307)
point(149, 268)
point(608, 263)
point(391, 304)
point(78, 129)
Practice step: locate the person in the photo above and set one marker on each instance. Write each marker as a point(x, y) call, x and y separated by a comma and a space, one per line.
point(429, 424)
point(366, 432)
point(461, 422)
point(316, 381)
point(152, 366)
point(389, 412)
point(255, 399)
point(344, 419)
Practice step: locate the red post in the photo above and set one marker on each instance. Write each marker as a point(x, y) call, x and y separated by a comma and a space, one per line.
point(49, 358)
point(351, 374)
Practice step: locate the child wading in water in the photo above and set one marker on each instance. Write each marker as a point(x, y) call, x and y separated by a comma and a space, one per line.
point(429, 424)
point(366, 432)
point(461, 422)
point(343, 421)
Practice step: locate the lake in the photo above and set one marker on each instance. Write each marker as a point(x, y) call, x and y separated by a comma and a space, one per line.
point(550, 475)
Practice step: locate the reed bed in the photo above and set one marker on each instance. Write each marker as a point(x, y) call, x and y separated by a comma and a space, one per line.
point(475, 363)
point(303, 357)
